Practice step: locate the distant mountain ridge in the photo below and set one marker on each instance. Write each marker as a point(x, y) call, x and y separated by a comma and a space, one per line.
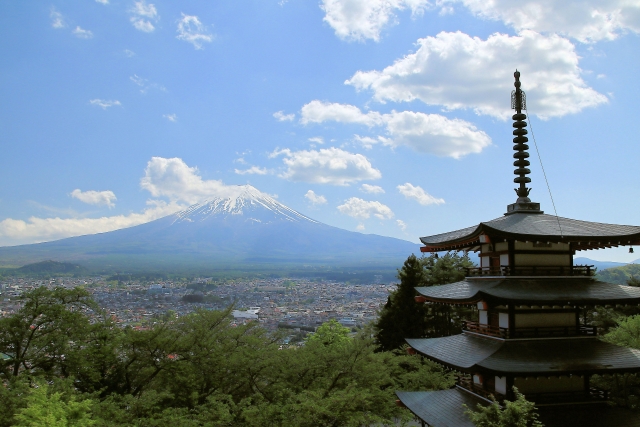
point(245, 228)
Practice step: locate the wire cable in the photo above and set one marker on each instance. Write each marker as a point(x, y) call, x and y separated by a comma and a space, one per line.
point(543, 172)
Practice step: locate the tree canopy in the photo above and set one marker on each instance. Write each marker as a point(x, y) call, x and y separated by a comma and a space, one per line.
point(61, 368)
point(517, 413)
point(402, 317)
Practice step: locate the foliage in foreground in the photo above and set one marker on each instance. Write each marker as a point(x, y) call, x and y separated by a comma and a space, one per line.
point(59, 368)
point(402, 317)
point(519, 413)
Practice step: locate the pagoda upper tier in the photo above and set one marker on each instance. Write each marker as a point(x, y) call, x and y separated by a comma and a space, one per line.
point(539, 291)
point(536, 228)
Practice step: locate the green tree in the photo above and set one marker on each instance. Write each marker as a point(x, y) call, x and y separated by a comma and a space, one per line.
point(624, 388)
point(43, 332)
point(402, 317)
point(519, 413)
point(45, 408)
point(330, 333)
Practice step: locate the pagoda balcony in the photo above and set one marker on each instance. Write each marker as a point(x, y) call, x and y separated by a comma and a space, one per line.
point(530, 332)
point(466, 382)
point(593, 395)
point(532, 270)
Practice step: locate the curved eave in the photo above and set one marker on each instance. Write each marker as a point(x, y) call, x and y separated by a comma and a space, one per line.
point(473, 353)
point(441, 408)
point(535, 227)
point(532, 291)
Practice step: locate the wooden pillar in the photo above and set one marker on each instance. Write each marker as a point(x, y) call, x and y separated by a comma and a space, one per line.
point(510, 395)
point(512, 320)
point(512, 254)
point(571, 251)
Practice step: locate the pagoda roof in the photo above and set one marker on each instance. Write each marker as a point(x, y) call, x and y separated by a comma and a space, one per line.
point(537, 227)
point(539, 290)
point(443, 408)
point(471, 353)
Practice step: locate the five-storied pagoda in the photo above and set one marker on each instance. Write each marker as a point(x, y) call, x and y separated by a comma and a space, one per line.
point(530, 298)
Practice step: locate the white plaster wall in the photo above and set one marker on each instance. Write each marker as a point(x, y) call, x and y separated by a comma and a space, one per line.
point(501, 385)
point(503, 320)
point(483, 318)
point(504, 259)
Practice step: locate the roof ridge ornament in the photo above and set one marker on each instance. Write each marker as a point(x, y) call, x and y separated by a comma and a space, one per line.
point(519, 103)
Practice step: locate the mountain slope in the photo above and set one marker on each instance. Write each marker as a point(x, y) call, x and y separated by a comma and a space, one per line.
point(245, 227)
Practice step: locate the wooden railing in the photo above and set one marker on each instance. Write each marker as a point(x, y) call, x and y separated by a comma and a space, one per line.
point(530, 332)
point(483, 329)
point(467, 383)
point(592, 395)
point(533, 270)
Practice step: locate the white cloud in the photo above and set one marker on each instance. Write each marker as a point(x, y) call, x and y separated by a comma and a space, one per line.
point(36, 230)
point(142, 16)
point(326, 166)
point(57, 20)
point(362, 209)
point(170, 117)
point(372, 189)
point(425, 133)
point(171, 178)
point(360, 227)
point(129, 53)
point(82, 34)
point(434, 134)
point(584, 20)
point(105, 103)
point(358, 20)
point(253, 170)
point(315, 199)
point(317, 140)
point(280, 116)
point(318, 112)
point(174, 179)
point(97, 198)
point(418, 194)
point(145, 85)
point(102, 1)
point(366, 141)
point(401, 224)
point(457, 71)
point(191, 30)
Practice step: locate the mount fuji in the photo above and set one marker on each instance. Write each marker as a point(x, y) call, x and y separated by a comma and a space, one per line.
point(244, 227)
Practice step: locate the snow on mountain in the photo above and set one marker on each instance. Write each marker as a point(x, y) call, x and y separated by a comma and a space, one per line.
point(244, 227)
point(243, 201)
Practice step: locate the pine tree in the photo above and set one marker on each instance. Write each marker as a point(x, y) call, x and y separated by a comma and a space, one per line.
point(402, 317)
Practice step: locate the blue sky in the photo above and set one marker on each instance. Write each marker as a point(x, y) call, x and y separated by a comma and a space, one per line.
point(382, 116)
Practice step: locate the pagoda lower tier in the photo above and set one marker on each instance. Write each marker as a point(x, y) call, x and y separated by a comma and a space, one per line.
point(444, 408)
point(554, 373)
point(529, 334)
point(532, 291)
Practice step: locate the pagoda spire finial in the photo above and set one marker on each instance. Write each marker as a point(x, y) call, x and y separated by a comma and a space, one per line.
point(519, 103)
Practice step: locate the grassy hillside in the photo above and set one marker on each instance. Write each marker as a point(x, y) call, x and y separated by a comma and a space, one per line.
point(619, 275)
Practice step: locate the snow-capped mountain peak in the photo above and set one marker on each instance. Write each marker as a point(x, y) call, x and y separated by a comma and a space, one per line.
point(242, 201)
